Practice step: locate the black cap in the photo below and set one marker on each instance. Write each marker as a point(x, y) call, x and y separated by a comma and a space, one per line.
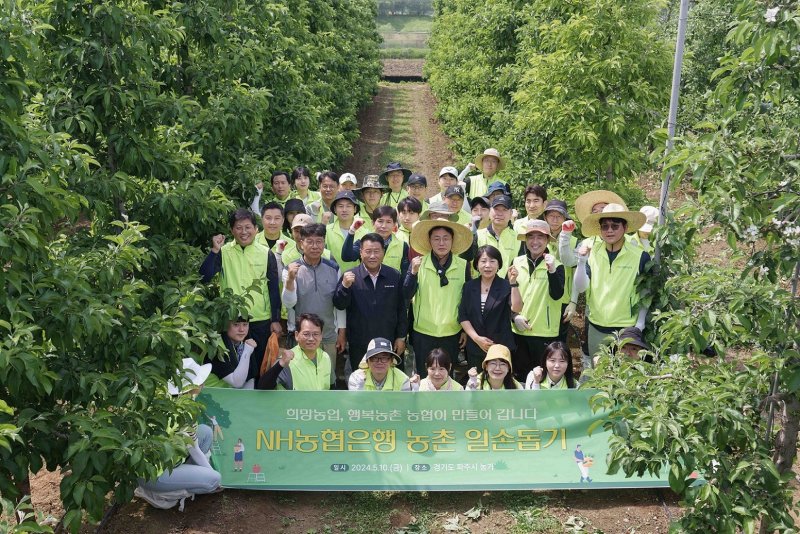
point(417, 179)
point(346, 195)
point(454, 190)
point(479, 200)
point(502, 200)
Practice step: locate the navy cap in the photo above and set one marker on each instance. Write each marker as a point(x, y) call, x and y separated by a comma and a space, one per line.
point(502, 200)
point(417, 179)
point(479, 200)
point(558, 206)
point(454, 190)
point(346, 195)
point(498, 186)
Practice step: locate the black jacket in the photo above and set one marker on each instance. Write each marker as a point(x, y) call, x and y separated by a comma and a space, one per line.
point(495, 321)
point(373, 311)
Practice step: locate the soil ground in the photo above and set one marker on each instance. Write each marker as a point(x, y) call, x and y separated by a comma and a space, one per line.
point(399, 123)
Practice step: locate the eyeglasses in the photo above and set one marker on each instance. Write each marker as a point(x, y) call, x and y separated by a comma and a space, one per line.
point(610, 226)
point(311, 335)
point(496, 363)
point(381, 359)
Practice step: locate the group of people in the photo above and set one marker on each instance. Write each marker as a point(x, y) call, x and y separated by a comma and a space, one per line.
point(354, 267)
point(363, 270)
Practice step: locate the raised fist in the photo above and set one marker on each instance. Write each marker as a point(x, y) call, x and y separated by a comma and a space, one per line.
point(583, 251)
point(550, 263)
point(358, 222)
point(568, 227)
point(327, 217)
point(513, 274)
point(348, 279)
point(281, 246)
point(538, 374)
point(260, 186)
point(291, 270)
point(251, 342)
point(286, 357)
point(473, 372)
point(415, 263)
point(216, 243)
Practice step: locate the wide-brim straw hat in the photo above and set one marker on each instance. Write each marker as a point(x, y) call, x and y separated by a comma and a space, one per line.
point(501, 163)
point(498, 352)
point(635, 219)
point(534, 225)
point(584, 203)
point(394, 166)
point(420, 241)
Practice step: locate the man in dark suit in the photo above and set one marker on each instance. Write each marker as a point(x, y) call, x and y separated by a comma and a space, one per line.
point(373, 297)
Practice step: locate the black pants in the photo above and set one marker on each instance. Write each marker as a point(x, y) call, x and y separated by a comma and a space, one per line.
point(563, 328)
point(356, 352)
point(529, 354)
point(423, 345)
point(260, 332)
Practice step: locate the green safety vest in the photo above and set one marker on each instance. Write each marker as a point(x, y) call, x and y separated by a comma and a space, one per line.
point(479, 186)
point(561, 384)
point(488, 387)
point(634, 239)
point(521, 224)
point(262, 240)
point(313, 196)
point(436, 307)
point(569, 272)
point(403, 235)
point(508, 245)
point(392, 199)
point(393, 256)
point(611, 296)
point(334, 241)
point(541, 312)
point(240, 267)
point(308, 376)
point(395, 379)
point(464, 218)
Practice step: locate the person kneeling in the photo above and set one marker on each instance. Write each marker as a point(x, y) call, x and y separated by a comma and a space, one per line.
point(380, 373)
point(304, 368)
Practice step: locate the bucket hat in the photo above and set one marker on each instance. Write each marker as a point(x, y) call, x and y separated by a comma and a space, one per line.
point(633, 336)
point(534, 225)
point(345, 195)
point(501, 163)
point(498, 352)
point(294, 204)
point(651, 217)
point(394, 166)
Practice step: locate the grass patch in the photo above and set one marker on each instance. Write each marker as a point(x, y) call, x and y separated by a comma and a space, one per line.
point(529, 512)
point(404, 23)
point(404, 53)
point(401, 140)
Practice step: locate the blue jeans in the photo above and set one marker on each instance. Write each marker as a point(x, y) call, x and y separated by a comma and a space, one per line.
point(193, 478)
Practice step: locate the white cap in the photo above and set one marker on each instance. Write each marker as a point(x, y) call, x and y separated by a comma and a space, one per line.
point(347, 177)
point(448, 170)
point(651, 212)
point(192, 374)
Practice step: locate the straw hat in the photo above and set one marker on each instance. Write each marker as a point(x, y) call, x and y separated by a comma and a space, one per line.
point(420, 241)
point(192, 374)
point(501, 163)
point(584, 203)
point(651, 215)
point(534, 225)
point(635, 219)
point(498, 352)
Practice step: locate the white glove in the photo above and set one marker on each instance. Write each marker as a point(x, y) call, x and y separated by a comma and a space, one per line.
point(521, 323)
point(550, 263)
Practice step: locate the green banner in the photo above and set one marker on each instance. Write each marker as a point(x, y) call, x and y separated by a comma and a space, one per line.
point(337, 440)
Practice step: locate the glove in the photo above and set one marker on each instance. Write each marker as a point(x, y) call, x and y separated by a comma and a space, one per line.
point(569, 312)
point(521, 323)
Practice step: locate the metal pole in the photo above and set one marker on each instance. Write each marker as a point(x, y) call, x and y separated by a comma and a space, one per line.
point(673, 113)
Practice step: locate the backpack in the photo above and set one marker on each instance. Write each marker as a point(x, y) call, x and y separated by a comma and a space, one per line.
point(164, 499)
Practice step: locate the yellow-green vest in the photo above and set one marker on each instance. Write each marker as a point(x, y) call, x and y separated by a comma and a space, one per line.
point(541, 312)
point(312, 196)
point(479, 185)
point(611, 296)
point(569, 272)
point(464, 218)
point(436, 307)
point(395, 379)
point(393, 257)
point(508, 245)
point(488, 387)
point(334, 241)
point(392, 199)
point(634, 239)
point(403, 235)
point(561, 384)
point(308, 376)
point(240, 267)
point(262, 240)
